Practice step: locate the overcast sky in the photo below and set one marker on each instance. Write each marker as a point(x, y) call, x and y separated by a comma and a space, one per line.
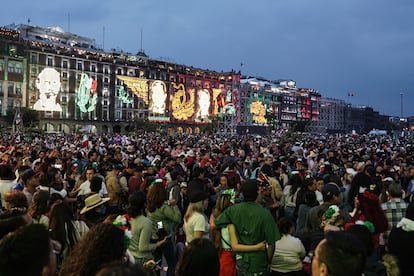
point(363, 47)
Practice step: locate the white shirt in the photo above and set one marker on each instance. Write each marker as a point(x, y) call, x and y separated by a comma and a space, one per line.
point(85, 189)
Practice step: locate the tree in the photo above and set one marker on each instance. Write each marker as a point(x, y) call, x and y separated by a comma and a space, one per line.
point(29, 116)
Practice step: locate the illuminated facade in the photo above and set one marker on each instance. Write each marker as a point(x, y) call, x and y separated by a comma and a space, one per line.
point(77, 86)
point(278, 104)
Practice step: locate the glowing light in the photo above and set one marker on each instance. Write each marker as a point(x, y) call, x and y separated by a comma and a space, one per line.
point(158, 96)
point(258, 110)
point(123, 95)
point(216, 93)
point(137, 85)
point(48, 83)
point(182, 109)
point(87, 95)
point(203, 103)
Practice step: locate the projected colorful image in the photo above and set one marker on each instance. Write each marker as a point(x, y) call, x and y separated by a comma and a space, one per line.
point(181, 103)
point(158, 97)
point(258, 110)
point(203, 103)
point(48, 84)
point(87, 95)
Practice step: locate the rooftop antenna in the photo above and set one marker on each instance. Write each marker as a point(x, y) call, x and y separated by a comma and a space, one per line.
point(103, 38)
point(68, 22)
point(141, 50)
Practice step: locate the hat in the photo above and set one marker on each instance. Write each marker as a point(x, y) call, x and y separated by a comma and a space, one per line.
point(197, 196)
point(330, 189)
point(27, 174)
point(249, 189)
point(312, 154)
point(183, 185)
point(93, 201)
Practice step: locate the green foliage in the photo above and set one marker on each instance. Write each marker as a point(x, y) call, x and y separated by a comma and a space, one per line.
point(30, 116)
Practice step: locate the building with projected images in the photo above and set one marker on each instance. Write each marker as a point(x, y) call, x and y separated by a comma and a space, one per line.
point(77, 86)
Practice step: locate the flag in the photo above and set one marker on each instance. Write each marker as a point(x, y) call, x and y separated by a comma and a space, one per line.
point(17, 121)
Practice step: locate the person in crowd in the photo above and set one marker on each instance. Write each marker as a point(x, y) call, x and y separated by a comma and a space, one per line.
point(225, 239)
point(289, 197)
point(115, 190)
point(39, 207)
point(394, 208)
point(332, 195)
point(104, 243)
point(28, 251)
point(94, 211)
point(165, 217)
point(31, 182)
point(340, 254)
point(400, 242)
point(140, 245)
point(289, 252)
point(253, 224)
point(64, 228)
point(199, 258)
point(6, 182)
point(195, 221)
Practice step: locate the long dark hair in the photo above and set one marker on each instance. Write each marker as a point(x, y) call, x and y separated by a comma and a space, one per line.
point(102, 244)
point(156, 197)
point(136, 204)
point(61, 225)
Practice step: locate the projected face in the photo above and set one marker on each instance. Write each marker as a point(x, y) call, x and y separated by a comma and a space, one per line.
point(48, 83)
point(158, 97)
point(203, 103)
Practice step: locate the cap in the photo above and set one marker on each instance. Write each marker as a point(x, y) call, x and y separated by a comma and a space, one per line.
point(27, 174)
point(197, 196)
point(183, 185)
point(330, 189)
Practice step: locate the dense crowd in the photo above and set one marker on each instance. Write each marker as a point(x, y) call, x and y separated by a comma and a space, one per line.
point(151, 204)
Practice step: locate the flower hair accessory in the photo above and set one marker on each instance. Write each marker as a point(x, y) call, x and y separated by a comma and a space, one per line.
point(232, 195)
point(369, 195)
point(331, 212)
point(367, 224)
point(122, 221)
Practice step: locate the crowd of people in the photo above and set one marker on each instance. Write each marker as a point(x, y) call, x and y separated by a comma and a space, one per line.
point(151, 204)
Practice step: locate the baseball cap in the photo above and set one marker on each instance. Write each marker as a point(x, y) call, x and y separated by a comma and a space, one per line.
point(331, 189)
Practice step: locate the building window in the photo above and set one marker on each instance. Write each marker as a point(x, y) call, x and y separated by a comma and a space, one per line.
point(10, 68)
point(18, 68)
point(118, 115)
point(1, 65)
point(118, 104)
point(1, 88)
point(119, 71)
point(93, 67)
point(105, 102)
point(105, 92)
point(50, 61)
point(105, 115)
point(10, 89)
point(63, 99)
point(106, 80)
point(33, 70)
point(33, 58)
point(106, 69)
point(18, 89)
point(65, 75)
point(79, 66)
point(65, 63)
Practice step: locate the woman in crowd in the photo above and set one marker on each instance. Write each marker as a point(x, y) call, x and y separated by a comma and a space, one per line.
point(140, 245)
point(39, 207)
point(289, 252)
point(103, 244)
point(64, 228)
point(165, 217)
point(196, 225)
point(199, 258)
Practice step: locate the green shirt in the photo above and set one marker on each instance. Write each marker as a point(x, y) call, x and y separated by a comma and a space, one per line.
point(253, 224)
